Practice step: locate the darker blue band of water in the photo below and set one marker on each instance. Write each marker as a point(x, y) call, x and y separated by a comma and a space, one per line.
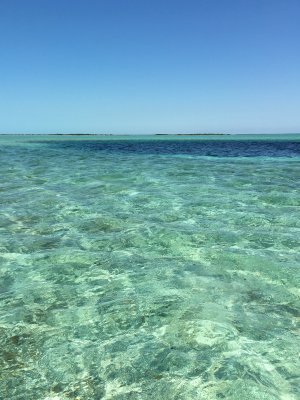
point(209, 148)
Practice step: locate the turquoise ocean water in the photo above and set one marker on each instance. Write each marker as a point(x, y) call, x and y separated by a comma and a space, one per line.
point(149, 267)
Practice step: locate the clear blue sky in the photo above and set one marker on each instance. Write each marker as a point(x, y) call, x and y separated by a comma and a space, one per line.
point(136, 66)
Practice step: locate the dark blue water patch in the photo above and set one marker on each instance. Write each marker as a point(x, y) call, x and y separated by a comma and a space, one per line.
point(209, 148)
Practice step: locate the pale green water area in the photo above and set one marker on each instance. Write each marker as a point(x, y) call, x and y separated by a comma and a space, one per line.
point(150, 267)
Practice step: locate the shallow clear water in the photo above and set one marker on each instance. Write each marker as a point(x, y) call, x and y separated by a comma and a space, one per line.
point(150, 268)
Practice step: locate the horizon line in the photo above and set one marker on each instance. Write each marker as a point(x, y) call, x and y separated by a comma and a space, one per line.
point(147, 134)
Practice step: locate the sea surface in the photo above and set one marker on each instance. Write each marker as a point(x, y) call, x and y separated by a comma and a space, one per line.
point(160, 267)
